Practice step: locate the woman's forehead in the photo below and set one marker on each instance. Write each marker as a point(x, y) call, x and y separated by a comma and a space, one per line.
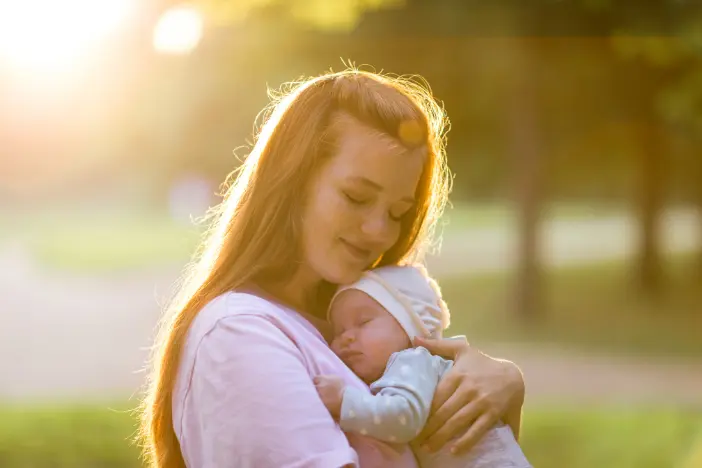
point(355, 139)
point(364, 153)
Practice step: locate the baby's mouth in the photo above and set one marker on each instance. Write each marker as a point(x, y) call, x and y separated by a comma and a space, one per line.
point(352, 358)
point(348, 355)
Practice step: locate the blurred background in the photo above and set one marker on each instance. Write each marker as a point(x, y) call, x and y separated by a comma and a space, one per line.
point(573, 245)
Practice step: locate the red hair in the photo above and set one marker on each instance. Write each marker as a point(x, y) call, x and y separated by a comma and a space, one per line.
point(252, 229)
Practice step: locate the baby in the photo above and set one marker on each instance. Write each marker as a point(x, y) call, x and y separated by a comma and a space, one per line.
point(374, 321)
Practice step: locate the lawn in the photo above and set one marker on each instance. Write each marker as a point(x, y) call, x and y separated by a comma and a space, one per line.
point(611, 437)
point(82, 437)
point(588, 306)
point(593, 307)
point(478, 215)
point(90, 241)
point(98, 242)
point(132, 244)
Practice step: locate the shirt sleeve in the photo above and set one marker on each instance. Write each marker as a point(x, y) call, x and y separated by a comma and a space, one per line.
point(251, 403)
point(401, 400)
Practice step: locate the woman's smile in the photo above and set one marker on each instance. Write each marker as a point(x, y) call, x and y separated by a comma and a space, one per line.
point(358, 253)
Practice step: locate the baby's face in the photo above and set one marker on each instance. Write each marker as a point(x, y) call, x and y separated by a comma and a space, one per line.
point(365, 334)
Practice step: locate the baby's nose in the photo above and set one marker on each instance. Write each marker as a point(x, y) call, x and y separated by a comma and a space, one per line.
point(347, 337)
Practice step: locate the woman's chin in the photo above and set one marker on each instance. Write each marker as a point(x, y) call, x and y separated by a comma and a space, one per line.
point(346, 274)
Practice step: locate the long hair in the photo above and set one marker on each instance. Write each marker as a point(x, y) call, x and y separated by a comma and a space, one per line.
point(252, 230)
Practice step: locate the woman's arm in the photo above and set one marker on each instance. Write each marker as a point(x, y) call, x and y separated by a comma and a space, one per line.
point(473, 396)
point(251, 402)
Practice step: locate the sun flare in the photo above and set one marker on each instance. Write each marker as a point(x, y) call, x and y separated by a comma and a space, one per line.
point(53, 35)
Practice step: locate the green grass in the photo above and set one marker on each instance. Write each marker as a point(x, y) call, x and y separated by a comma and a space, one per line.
point(106, 242)
point(89, 241)
point(112, 246)
point(610, 437)
point(85, 436)
point(470, 215)
point(594, 307)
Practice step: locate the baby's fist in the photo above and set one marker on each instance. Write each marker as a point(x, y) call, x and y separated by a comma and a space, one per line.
point(331, 391)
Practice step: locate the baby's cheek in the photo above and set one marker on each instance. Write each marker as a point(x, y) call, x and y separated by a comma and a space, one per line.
point(375, 364)
point(376, 371)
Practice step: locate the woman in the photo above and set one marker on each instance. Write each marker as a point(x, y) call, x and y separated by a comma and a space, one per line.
point(348, 172)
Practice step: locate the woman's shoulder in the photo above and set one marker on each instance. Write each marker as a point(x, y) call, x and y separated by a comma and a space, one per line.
point(244, 317)
point(234, 303)
point(228, 307)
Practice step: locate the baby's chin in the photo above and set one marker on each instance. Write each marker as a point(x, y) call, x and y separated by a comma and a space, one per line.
point(365, 372)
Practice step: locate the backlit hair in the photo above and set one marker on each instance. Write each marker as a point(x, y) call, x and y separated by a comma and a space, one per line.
point(252, 230)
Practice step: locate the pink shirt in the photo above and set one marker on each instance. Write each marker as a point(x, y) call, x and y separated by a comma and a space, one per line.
point(244, 396)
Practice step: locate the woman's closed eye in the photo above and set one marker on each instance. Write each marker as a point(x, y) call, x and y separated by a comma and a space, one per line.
point(394, 215)
point(355, 199)
point(398, 217)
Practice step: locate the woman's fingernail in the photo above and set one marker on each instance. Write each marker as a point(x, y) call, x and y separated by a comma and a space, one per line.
point(454, 450)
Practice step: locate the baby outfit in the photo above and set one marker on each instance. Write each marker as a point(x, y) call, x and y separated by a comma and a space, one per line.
point(400, 400)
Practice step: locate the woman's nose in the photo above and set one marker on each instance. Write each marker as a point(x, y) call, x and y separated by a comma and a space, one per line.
point(378, 228)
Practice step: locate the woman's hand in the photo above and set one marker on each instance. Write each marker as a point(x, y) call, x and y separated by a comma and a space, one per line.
point(476, 393)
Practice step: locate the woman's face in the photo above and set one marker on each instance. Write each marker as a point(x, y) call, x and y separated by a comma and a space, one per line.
point(356, 201)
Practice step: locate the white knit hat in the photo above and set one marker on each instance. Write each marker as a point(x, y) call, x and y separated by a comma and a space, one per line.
point(409, 294)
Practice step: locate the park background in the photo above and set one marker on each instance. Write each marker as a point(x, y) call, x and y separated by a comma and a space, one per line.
point(573, 245)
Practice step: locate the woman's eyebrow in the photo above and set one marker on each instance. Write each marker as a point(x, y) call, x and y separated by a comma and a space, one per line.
point(366, 181)
point(375, 186)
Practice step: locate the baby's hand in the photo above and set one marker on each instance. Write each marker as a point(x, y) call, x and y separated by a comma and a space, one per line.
point(331, 391)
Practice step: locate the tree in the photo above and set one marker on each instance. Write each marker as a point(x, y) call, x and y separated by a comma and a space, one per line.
point(527, 163)
point(675, 101)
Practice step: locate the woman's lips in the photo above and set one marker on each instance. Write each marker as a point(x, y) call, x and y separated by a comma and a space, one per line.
point(358, 253)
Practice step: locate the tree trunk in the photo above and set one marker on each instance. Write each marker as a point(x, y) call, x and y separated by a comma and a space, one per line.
point(527, 163)
point(651, 183)
point(698, 195)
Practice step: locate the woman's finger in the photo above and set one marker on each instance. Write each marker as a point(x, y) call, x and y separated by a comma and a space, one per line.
point(445, 389)
point(439, 417)
point(447, 348)
point(476, 431)
point(452, 406)
point(457, 424)
point(445, 399)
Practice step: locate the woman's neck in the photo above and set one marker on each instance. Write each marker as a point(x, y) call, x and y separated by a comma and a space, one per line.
point(304, 295)
point(299, 292)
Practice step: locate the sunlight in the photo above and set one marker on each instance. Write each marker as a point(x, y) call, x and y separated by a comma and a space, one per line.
point(52, 35)
point(178, 31)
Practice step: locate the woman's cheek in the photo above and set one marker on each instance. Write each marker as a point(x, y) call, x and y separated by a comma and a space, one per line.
point(395, 235)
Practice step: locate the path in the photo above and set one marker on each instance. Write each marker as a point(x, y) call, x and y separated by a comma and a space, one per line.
point(556, 375)
point(64, 336)
point(563, 242)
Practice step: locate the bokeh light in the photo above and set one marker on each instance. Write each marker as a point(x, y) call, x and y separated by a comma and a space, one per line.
point(51, 36)
point(178, 31)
